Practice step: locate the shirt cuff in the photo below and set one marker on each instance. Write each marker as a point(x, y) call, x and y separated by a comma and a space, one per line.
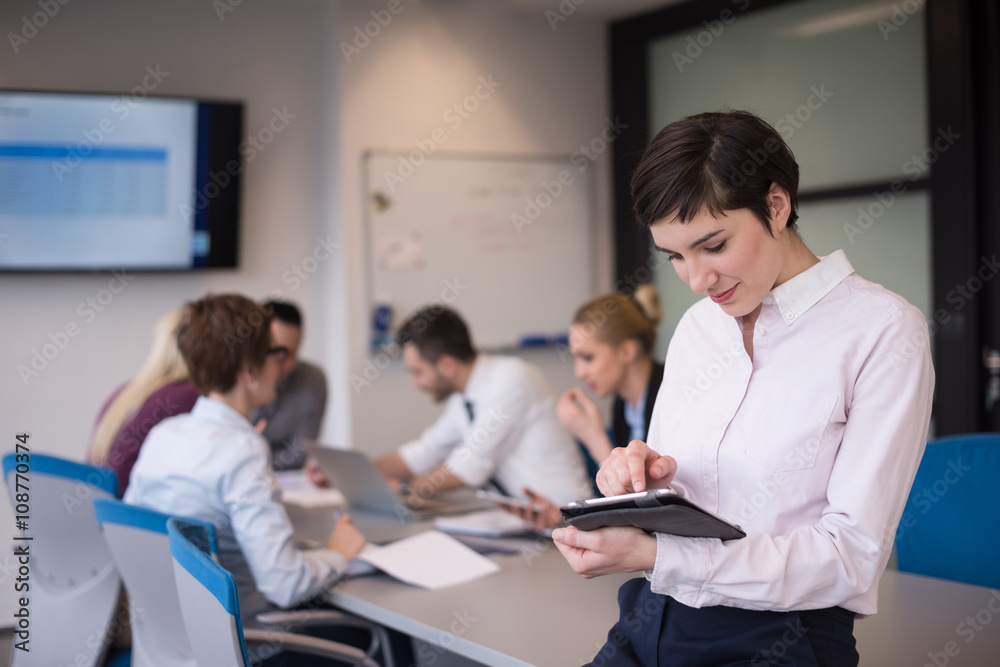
point(328, 559)
point(416, 457)
point(682, 565)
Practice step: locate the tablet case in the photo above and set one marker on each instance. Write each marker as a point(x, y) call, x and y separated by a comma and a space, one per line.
point(677, 516)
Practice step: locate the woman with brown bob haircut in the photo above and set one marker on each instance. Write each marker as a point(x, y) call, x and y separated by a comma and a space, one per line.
point(795, 402)
point(212, 465)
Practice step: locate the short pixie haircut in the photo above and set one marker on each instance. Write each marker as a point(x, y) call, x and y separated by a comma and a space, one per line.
point(436, 330)
point(219, 336)
point(715, 162)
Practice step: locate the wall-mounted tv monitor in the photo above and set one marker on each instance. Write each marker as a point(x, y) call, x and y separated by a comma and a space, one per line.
point(91, 182)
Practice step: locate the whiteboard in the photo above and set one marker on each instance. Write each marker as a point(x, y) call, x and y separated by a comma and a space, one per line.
point(507, 241)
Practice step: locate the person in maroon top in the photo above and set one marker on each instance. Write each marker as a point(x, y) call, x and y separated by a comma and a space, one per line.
point(160, 390)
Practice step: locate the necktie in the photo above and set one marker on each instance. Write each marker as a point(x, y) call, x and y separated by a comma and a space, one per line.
point(493, 479)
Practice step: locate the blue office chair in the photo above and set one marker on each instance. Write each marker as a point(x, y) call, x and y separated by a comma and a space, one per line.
point(210, 607)
point(138, 540)
point(74, 587)
point(950, 527)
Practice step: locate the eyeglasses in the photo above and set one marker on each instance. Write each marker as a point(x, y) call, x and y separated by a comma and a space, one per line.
point(281, 351)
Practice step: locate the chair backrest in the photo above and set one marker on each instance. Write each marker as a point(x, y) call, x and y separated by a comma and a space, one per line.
point(138, 540)
point(207, 594)
point(74, 587)
point(950, 527)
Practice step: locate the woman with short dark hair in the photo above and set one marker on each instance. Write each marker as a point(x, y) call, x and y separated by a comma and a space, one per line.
point(795, 402)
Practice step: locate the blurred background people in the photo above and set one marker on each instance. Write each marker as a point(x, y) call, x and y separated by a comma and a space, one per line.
point(498, 427)
point(161, 389)
point(211, 464)
point(297, 411)
point(612, 338)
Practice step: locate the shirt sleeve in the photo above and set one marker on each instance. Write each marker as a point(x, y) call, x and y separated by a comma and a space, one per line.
point(494, 433)
point(284, 574)
point(843, 555)
point(437, 441)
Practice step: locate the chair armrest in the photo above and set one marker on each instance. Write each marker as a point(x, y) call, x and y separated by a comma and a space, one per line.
point(304, 619)
point(309, 645)
point(286, 620)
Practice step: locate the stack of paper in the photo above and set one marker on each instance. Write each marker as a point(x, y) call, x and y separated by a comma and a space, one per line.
point(488, 523)
point(430, 560)
point(296, 489)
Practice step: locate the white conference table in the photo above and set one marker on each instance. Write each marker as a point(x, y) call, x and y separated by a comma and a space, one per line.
point(537, 611)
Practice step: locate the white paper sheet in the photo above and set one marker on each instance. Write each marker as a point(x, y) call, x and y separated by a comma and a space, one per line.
point(430, 560)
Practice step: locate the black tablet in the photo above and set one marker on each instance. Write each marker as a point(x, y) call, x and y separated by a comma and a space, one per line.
point(657, 511)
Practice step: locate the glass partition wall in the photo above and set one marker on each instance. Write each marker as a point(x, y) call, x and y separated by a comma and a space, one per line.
point(844, 82)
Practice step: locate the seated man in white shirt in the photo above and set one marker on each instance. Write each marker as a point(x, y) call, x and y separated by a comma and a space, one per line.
point(499, 424)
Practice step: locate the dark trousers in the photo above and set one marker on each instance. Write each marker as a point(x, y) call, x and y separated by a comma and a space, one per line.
point(655, 630)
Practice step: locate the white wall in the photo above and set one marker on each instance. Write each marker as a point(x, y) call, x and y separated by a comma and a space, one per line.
point(268, 55)
point(305, 185)
point(552, 98)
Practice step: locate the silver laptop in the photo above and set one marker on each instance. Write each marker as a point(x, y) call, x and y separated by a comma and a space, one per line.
point(366, 489)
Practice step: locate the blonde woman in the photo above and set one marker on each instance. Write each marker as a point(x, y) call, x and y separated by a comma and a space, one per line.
point(160, 390)
point(612, 340)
